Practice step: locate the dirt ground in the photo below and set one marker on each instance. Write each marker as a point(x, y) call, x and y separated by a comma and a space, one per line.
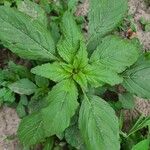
point(8, 118)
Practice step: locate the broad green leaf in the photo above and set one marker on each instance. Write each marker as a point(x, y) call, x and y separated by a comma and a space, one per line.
point(54, 71)
point(62, 106)
point(115, 53)
point(23, 86)
point(98, 124)
point(127, 100)
point(137, 79)
point(142, 145)
point(73, 137)
point(70, 42)
point(33, 10)
point(104, 16)
point(98, 75)
point(31, 129)
point(49, 144)
point(25, 36)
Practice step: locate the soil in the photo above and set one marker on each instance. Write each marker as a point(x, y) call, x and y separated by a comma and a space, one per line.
point(8, 118)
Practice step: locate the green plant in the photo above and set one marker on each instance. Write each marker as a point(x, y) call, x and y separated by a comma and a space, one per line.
point(146, 24)
point(77, 66)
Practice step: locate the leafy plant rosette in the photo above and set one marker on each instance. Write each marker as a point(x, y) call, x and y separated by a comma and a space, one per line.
point(76, 64)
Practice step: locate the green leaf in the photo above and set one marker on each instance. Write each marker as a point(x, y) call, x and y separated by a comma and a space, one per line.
point(69, 43)
point(115, 53)
point(23, 86)
point(62, 106)
point(38, 101)
point(98, 124)
point(41, 82)
point(98, 75)
point(142, 145)
point(21, 110)
point(24, 100)
point(104, 16)
point(147, 27)
point(137, 79)
point(33, 10)
point(73, 137)
point(25, 36)
point(55, 71)
point(80, 78)
point(20, 70)
point(45, 4)
point(81, 58)
point(127, 100)
point(55, 31)
point(6, 95)
point(31, 129)
point(49, 144)
point(72, 5)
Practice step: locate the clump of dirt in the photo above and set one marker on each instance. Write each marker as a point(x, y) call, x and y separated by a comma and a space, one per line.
point(9, 122)
point(82, 9)
point(140, 9)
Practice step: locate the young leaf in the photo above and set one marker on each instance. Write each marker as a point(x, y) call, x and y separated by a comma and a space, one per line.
point(25, 36)
point(115, 54)
point(142, 145)
point(69, 43)
point(137, 79)
point(104, 16)
point(31, 129)
point(80, 78)
point(23, 86)
point(54, 71)
point(33, 10)
point(81, 59)
point(98, 124)
point(98, 75)
point(62, 106)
